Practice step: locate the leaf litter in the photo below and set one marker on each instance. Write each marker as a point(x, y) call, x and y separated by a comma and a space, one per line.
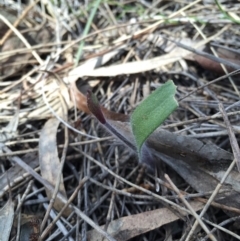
point(128, 52)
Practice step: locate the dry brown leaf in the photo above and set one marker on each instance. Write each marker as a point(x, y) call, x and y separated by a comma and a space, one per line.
point(201, 165)
point(128, 227)
point(214, 66)
point(78, 98)
point(49, 161)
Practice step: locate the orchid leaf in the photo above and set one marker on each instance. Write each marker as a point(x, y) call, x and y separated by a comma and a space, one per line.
point(152, 112)
point(94, 107)
point(147, 117)
point(96, 110)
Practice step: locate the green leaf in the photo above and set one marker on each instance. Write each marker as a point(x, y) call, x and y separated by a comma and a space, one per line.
point(152, 112)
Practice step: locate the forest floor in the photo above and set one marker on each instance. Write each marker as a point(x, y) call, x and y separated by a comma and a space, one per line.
point(63, 176)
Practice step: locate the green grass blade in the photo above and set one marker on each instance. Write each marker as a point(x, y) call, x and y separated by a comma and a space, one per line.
point(231, 16)
point(86, 30)
point(152, 112)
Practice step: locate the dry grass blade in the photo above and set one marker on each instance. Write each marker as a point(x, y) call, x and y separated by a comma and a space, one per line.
point(198, 220)
point(18, 21)
point(232, 137)
point(233, 65)
point(59, 195)
point(211, 199)
point(48, 229)
point(16, 174)
point(22, 38)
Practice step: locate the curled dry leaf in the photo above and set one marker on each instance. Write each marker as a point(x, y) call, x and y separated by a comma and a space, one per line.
point(78, 98)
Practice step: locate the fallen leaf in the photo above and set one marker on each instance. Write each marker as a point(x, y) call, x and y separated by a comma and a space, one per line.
point(6, 220)
point(49, 161)
point(128, 227)
point(140, 66)
point(215, 66)
point(92, 67)
point(78, 98)
point(86, 68)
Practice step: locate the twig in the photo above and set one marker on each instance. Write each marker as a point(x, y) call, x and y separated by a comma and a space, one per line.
point(200, 119)
point(211, 199)
point(110, 210)
point(219, 226)
point(24, 13)
point(235, 72)
point(206, 55)
point(16, 153)
point(22, 38)
point(158, 197)
point(216, 55)
point(232, 137)
point(59, 195)
point(53, 215)
point(50, 226)
point(198, 218)
point(29, 186)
